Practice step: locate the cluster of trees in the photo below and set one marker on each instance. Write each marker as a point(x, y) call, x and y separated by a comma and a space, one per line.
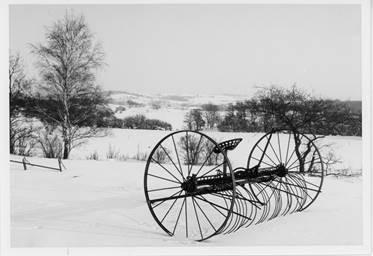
point(277, 107)
point(205, 117)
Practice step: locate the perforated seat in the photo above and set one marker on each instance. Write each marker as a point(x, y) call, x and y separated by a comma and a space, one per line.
point(228, 145)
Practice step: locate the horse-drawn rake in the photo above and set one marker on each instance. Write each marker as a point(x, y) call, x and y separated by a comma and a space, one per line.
point(192, 190)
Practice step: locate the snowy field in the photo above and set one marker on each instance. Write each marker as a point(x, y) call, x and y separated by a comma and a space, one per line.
point(102, 203)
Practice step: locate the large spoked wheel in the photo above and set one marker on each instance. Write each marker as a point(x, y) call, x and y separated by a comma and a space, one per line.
point(174, 161)
point(302, 171)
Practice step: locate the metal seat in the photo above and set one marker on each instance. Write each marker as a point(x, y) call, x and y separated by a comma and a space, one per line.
point(227, 145)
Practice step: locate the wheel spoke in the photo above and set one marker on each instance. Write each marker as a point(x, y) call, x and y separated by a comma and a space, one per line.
point(177, 155)
point(162, 201)
point(187, 151)
point(266, 155)
point(155, 176)
point(212, 205)
point(204, 214)
point(186, 216)
point(199, 225)
point(262, 161)
point(182, 176)
point(160, 189)
point(291, 156)
point(195, 155)
point(279, 146)
point(164, 168)
point(178, 217)
point(170, 208)
point(287, 149)
point(310, 161)
point(204, 162)
point(270, 144)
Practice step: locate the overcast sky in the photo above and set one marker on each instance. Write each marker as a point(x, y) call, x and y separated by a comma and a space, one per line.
point(203, 49)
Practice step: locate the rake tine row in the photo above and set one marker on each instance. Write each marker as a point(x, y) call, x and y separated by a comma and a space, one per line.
point(282, 199)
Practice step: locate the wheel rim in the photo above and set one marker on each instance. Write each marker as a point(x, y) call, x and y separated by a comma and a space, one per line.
point(176, 157)
point(301, 185)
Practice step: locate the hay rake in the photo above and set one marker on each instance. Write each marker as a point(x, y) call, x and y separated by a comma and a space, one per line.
point(192, 190)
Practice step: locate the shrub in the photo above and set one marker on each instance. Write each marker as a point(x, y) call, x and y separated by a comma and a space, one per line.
point(112, 153)
point(134, 104)
point(93, 156)
point(156, 105)
point(141, 122)
point(160, 155)
point(120, 109)
point(50, 142)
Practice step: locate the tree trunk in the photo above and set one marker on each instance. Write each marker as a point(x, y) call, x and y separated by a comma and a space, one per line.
point(66, 149)
point(11, 147)
point(297, 152)
point(66, 142)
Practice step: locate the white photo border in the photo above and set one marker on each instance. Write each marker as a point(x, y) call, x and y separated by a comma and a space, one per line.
point(366, 58)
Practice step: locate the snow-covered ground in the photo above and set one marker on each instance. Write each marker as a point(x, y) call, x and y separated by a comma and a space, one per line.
point(101, 203)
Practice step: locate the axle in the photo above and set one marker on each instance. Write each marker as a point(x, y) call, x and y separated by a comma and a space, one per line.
point(223, 181)
point(194, 186)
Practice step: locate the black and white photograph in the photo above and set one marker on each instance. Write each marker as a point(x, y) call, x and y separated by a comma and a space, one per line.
point(200, 128)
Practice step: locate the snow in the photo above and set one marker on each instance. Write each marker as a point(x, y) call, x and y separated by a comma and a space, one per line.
point(102, 203)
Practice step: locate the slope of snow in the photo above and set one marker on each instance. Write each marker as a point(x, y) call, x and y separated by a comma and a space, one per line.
point(101, 203)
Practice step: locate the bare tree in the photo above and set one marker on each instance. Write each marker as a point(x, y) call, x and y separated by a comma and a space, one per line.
point(211, 115)
point(300, 112)
point(194, 120)
point(21, 135)
point(67, 63)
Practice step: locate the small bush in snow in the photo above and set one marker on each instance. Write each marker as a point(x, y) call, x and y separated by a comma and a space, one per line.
point(160, 155)
point(93, 156)
point(122, 157)
point(112, 153)
point(141, 156)
point(50, 142)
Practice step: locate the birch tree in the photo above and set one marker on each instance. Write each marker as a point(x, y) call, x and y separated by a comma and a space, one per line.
point(67, 63)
